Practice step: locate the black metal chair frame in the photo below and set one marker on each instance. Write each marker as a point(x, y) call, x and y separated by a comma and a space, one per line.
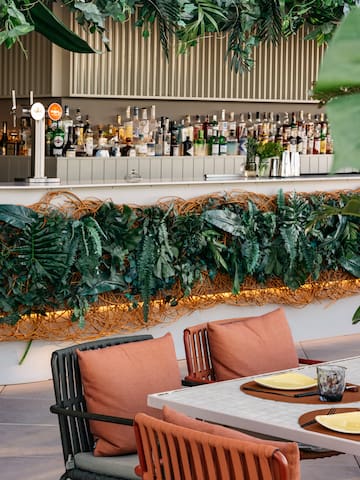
point(71, 408)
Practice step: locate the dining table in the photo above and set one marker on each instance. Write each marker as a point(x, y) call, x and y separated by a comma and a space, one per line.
point(247, 405)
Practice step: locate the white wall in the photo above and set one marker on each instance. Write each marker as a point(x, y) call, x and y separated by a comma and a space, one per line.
point(317, 320)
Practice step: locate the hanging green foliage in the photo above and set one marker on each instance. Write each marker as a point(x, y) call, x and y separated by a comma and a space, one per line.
point(247, 22)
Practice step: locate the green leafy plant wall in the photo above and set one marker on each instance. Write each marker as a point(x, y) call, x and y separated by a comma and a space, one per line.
point(51, 259)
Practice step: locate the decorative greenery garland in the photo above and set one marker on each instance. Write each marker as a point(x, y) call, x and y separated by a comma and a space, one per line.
point(64, 258)
point(247, 22)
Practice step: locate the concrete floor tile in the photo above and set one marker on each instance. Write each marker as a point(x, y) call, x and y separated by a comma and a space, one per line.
point(31, 468)
point(26, 411)
point(340, 467)
point(29, 440)
point(43, 390)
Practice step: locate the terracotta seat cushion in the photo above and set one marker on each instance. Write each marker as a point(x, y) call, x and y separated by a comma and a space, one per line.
point(116, 382)
point(241, 347)
point(289, 449)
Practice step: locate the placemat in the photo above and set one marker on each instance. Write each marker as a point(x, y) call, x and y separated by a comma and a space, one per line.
point(316, 427)
point(288, 395)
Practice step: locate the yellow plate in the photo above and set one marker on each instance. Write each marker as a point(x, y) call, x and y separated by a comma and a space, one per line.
point(287, 381)
point(348, 422)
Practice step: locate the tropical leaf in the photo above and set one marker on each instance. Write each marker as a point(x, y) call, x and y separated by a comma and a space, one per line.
point(225, 220)
point(17, 215)
point(51, 27)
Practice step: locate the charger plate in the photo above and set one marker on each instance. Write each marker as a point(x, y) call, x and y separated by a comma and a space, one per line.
point(348, 422)
point(287, 381)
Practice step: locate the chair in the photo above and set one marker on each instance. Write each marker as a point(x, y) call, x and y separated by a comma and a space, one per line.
point(168, 451)
point(76, 437)
point(198, 355)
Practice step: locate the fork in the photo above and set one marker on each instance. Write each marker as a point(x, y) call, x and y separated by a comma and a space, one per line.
point(313, 421)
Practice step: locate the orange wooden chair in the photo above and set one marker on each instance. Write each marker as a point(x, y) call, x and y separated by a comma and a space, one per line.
point(198, 355)
point(170, 452)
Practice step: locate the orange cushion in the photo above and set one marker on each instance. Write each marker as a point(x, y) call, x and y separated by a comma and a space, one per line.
point(116, 382)
point(241, 347)
point(289, 449)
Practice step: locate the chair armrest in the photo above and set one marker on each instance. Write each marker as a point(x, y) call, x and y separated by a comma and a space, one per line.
point(309, 361)
point(193, 382)
point(90, 416)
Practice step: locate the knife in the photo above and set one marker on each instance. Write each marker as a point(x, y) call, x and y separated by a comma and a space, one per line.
point(349, 388)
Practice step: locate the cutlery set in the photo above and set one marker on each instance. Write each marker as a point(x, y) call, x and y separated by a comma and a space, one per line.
point(348, 388)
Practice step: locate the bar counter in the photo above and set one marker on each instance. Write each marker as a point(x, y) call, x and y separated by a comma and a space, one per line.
point(150, 192)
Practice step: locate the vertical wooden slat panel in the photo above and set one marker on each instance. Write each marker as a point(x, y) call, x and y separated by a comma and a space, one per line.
point(27, 73)
point(137, 67)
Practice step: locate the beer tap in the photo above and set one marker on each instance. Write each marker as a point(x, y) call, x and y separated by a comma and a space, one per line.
point(13, 108)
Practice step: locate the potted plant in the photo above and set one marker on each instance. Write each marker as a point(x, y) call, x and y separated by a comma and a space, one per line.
point(266, 153)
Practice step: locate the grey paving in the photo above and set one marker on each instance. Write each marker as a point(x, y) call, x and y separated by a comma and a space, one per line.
point(30, 445)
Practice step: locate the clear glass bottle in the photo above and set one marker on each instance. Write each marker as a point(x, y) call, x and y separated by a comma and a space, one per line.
point(232, 144)
point(88, 139)
point(67, 122)
point(128, 124)
point(25, 137)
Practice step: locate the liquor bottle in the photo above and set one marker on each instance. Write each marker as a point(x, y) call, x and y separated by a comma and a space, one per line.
point(49, 133)
point(174, 139)
point(198, 125)
point(223, 124)
point(272, 127)
point(241, 126)
point(243, 142)
point(13, 140)
point(136, 124)
point(153, 123)
point(66, 121)
point(213, 143)
point(79, 131)
point(232, 144)
point(144, 125)
point(222, 143)
point(200, 145)
point(159, 142)
point(120, 129)
point(88, 139)
point(323, 133)
point(188, 147)
point(232, 122)
point(3, 142)
point(25, 136)
point(258, 126)
point(317, 133)
point(206, 127)
point(125, 150)
point(309, 130)
point(265, 129)
point(188, 130)
point(141, 146)
point(293, 133)
point(286, 131)
point(249, 126)
point(57, 143)
point(329, 142)
point(70, 146)
point(128, 124)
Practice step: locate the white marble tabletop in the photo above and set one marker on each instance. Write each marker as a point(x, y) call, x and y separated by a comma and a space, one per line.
point(224, 403)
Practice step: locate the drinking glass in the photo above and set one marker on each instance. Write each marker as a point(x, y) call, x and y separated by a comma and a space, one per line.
point(331, 382)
